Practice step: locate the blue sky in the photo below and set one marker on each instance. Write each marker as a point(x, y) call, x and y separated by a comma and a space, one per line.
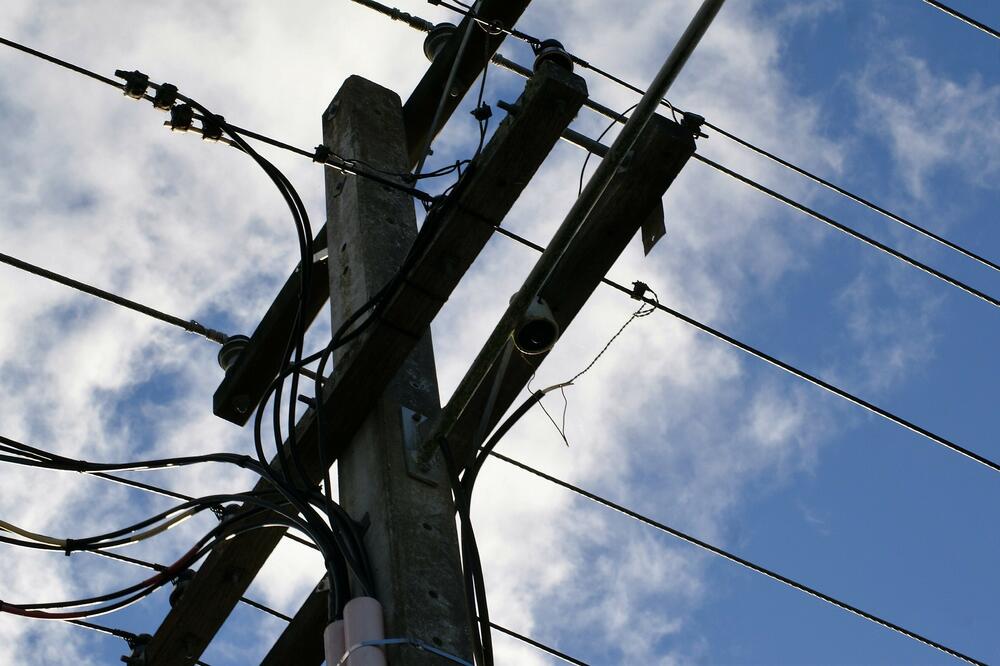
point(891, 99)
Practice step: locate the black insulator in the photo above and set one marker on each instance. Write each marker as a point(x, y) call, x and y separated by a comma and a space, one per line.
point(231, 350)
point(138, 645)
point(181, 117)
point(551, 50)
point(437, 38)
point(165, 96)
point(211, 127)
point(136, 83)
point(693, 122)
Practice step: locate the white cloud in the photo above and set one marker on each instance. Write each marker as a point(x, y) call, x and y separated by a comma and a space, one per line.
point(931, 122)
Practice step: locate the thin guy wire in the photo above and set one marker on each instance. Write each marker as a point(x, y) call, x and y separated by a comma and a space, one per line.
point(933, 272)
point(963, 18)
point(503, 62)
point(739, 560)
point(541, 646)
point(801, 374)
point(191, 326)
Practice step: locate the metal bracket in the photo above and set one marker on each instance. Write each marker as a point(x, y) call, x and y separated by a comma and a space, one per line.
point(413, 424)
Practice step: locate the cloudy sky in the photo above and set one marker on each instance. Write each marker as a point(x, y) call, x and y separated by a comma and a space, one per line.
point(889, 98)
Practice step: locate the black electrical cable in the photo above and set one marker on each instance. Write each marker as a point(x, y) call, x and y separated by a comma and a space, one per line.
point(856, 198)
point(130, 639)
point(541, 646)
point(342, 164)
point(896, 254)
point(963, 18)
point(801, 374)
point(67, 464)
point(738, 560)
point(188, 325)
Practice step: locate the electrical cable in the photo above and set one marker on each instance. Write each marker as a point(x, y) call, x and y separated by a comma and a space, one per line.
point(801, 374)
point(857, 198)
point(525, 72)
point(850, 232)
point(344, 165)
point(190, 326)
point(963, 18)
point(541, 646)
point(739, 560)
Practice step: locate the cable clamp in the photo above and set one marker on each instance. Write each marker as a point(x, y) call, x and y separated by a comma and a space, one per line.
point(69, 546)
point(136, 83)
point(482, 112)
point(693, 122)
point(181, 117)
point(639, 290)
point(166, 96)
point(211, 127)
point(321, 154)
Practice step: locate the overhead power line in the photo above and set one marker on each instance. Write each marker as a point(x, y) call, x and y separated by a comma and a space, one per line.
point(856, 198)
point(933, 272)
point(500, 61)
point(320, 156)
point(189, 325)
point(537, 644)
point(132, 640)
point(963, 18)
point(801, 374)
point(715, 550)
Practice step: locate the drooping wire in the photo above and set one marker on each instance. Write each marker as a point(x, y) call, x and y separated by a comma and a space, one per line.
point(792, 370)
point(963, 18)
point(715, 550)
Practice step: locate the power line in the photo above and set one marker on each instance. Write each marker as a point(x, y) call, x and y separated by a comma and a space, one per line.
point(188, 325)
point(856, 198)
point(344, 165)
point(611, 114)
point(132, 640)
point(62, 63)
point(541, 646)
point(963, 18)
point(933, 272)
point(801, 374)
point(739, 560)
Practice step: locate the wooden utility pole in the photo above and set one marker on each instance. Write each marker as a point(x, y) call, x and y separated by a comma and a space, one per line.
point(410, 537)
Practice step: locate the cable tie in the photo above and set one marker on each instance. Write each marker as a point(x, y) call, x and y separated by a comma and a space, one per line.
point(211, 127)
point(136, 83)
point(181, 117)
point(166, 96)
